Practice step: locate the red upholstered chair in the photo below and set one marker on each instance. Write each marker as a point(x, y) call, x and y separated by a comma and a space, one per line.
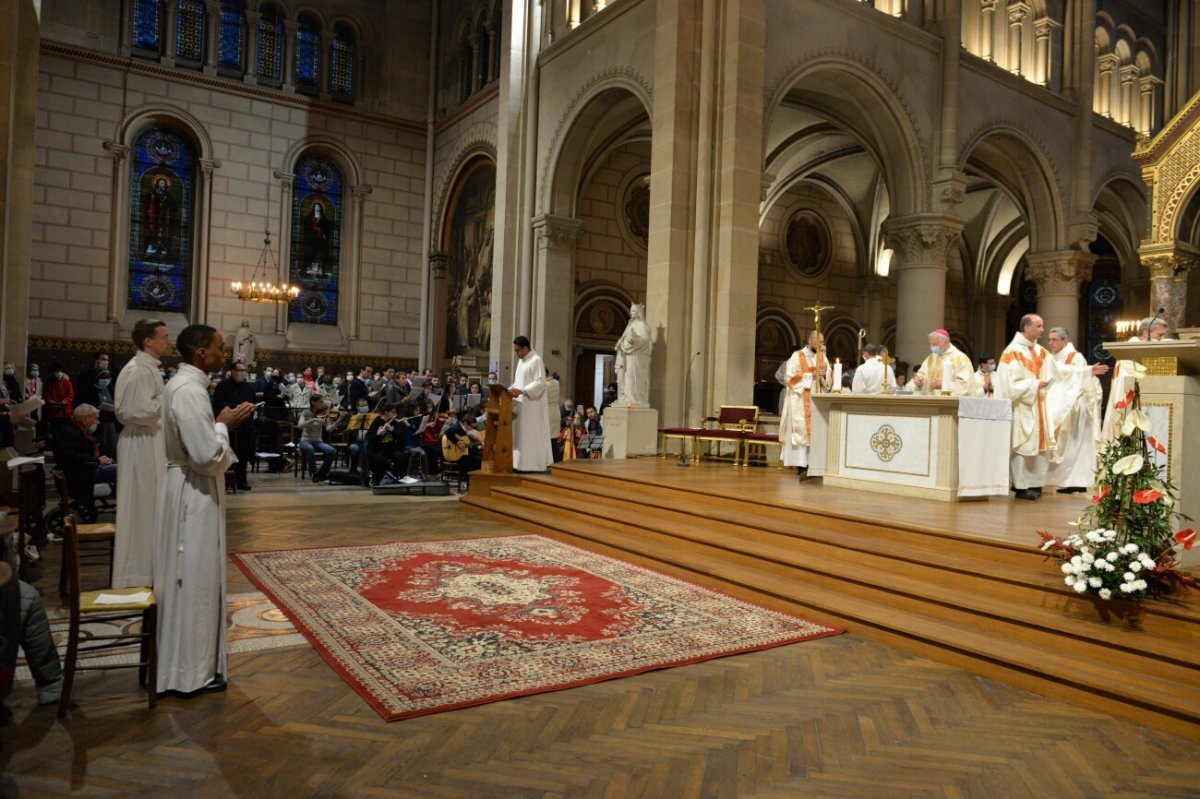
point(732, 424)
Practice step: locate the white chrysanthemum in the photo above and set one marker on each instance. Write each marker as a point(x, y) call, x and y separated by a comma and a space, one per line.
point(1126, 588)
point(1087, 556)
point(1069, 579)
point(1111, 557)
point(1067, 568)
point(1095, 582)
point(1080, 587)
point(1105, 593)
point(1147, 561)
point(1141, 585)
point(1076, 560)
point(1135, 566)
point(1109, 535)
point(1093, 535)
point(1129, 577)
point(1048, 544)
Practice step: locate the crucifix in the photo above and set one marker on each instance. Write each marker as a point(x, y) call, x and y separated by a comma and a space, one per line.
point(816, 309)
point(887, 360)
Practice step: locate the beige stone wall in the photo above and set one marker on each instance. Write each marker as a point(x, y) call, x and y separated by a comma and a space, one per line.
point(602, 253)
point(81, 105)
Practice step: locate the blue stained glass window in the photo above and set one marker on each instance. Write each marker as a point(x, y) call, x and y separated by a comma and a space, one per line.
point(270, 44)
point(308, 52)
point(161, 214)
point(341, 66)
point(316, 240)
point(233, 34)
point(189, 40)
point(147, 24)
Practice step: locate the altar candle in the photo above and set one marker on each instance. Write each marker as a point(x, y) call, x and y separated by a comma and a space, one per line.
point(837, 375)
point(947, 373)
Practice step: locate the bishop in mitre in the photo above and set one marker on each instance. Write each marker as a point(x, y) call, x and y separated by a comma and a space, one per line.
point(1073, 402)
point(933, 371)
point(807, 370)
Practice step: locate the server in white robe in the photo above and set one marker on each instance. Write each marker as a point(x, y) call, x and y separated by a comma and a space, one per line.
point(531, 428)
point(1074, 406)
point(868, 377)
point(189, 564)
point(141, 456)
point(807, 370)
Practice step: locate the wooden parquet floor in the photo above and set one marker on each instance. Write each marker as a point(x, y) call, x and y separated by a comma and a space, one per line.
point(837, 717)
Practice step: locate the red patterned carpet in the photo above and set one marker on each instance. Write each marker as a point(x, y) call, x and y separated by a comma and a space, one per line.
point(423, 627)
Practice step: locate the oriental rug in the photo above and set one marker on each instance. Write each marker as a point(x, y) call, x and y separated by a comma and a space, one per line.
point(423, 627)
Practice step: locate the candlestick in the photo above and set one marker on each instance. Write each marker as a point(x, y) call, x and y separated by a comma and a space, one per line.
point(837, 376)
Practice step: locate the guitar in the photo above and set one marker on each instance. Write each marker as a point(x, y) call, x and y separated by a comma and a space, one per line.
point(453, 450)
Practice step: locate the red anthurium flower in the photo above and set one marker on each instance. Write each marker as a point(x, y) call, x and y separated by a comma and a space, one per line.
point(1146, 496)
point(1125, 403)
point(1103, 493)
point(1158, 445)
point(1186, 537)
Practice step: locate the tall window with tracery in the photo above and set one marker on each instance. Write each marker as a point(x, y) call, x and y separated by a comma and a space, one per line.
point(232, 48)
point(270, 45)
point(189, 31)
point(308, 53)
point(316, 240)
point(161, 222)
point(341, 63)
point(148, 20)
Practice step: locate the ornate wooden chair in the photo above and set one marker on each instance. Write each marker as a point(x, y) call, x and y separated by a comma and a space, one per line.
point(733, 424)
point(96, 541)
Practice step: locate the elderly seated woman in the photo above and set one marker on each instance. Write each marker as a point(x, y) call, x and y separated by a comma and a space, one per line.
point(77, 453)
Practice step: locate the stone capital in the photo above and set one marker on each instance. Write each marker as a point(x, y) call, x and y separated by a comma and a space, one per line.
point(361, 191)
point(922, 240)
point(207, 165)
point(1108, 62)
point(1017, 12)
point(117, 151)
point(556, 232)
point(438, 263)
point(950, 192)
point(1059, 272)
point(286, 178)
point(1042, 26)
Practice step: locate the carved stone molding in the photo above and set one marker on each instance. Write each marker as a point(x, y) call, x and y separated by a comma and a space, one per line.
point(923, 240)
point(1059, 272)
point(950, 192)
point(1170, 266)
point(556, 232)
point(438, 263)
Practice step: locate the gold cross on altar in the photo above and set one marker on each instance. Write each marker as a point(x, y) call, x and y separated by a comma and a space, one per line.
point(816, 309)
point(887, 360)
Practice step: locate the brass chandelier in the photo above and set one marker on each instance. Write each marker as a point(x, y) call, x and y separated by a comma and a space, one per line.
point(262, 290)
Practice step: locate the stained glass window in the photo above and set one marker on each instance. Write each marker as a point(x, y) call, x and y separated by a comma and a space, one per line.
point(341, 66)
point(316, 240)
point(189, 40)
point(485, 53)
point(161, 222)
point(147, 25)
point(308, 52)
point(270, 44)
point(233, 35)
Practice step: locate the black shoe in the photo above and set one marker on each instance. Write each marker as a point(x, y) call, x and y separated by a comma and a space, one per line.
point(243, 487)
point(216, 685)
point(1037, 492)
point(1072, 490)
point(1028, 493)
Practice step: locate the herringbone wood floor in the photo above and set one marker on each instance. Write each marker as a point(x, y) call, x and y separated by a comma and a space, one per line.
point(837, 717)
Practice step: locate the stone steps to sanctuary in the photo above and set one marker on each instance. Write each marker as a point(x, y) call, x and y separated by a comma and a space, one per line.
point(928, 592)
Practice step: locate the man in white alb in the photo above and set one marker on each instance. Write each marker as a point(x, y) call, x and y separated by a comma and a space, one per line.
point(141, 457)
point(807, 370)
point(531, 428)
point(868, 377)
point(1074, 407)
point(189, 563)
point(941, 352)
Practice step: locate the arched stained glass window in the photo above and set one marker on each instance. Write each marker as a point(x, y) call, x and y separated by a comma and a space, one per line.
point(148, 20)
point(270, 44)
point(316, 240)
point(485, 53)
point(189, 39)
point(308, 52)
point(161, 222)
point(341, 63)
point(233, 35)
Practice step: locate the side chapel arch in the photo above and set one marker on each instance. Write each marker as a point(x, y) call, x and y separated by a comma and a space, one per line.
point(466, 235)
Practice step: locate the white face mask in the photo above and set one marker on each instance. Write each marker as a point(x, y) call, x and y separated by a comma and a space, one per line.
point(92, 427)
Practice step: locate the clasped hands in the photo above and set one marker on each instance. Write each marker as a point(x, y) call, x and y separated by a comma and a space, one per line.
point(233, 418)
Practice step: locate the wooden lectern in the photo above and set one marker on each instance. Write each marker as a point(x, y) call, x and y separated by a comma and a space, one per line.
point(498, 440)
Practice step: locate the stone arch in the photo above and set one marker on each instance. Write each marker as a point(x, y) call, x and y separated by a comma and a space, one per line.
point(1020, 166)
point(610, 109)
point(465, 240)
point(1119, 206)
point(475, 147)
point(860, 101)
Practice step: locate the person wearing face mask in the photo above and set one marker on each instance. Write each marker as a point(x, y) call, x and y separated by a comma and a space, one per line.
point(77, 453)
point(232, 393)
point(85, 382)
point(107, 434)
point(60, 398)
point(358, 433)
point(981, 383)
point(929, 377)
point(299, 395)
point(12, 386)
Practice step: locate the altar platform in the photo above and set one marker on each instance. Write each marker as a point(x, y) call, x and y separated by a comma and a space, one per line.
point(963, 583)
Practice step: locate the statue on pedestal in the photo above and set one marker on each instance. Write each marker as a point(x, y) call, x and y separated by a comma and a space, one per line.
point(243, 344)
point(633, 361)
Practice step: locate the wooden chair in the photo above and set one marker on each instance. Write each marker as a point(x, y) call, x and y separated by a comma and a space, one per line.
point(86, 605)
point(96, 541)
point(734, 423)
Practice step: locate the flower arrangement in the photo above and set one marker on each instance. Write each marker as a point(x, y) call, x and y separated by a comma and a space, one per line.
point(1129, 549)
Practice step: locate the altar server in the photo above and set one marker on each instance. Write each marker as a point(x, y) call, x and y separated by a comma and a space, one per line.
point(141, 456)
point(1073, 403)
point(531, 427)
point(868, 377)
point(807, 370)
point(189, 564)
point(944, 357)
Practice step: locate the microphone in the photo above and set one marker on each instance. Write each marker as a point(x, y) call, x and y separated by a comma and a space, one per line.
point(1154, 319)
point(687, 384)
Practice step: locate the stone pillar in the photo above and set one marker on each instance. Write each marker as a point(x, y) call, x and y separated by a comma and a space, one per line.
point(1058, 276)
point(118, 241)
point(987, 29)
point(1169, 266)
point(920, 243)
point(170, 35)
point(1148, 107)
point(212, 36)
point(1126, 115)
point(1017, 13)
point(554, 291)
point(324, 64)
point(287, 55)
point(286, 181)
point(250, 73)
point(1103, 104)
point(1043, 30)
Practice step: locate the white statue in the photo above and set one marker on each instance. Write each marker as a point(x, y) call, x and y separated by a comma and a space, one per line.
point(243, 344)
point(633, 360)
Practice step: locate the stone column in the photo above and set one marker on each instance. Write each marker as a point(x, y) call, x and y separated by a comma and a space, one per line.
point(282, 234)
point(250, 73)
point(1103, 103)
point(201, 278)
point(287, 56)
point(1127, 114)
point(212, 36)
point(324, 64)
point(987, 29)
point(1148, 108)
point(1058, 276)
point(169, 35)
point(1043, 30)
point(554, 290)
point(920, 244)
point(1169, 266)
point(118, 240)
point(1017, 12)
